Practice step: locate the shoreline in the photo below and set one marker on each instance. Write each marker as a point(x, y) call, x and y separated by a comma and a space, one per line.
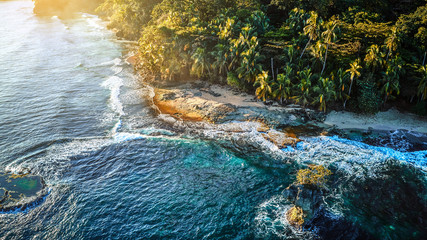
point(229, 110)
point(214, 103)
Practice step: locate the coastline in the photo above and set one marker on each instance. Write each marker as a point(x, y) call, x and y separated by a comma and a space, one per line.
point(201, 101)
point(195, 102)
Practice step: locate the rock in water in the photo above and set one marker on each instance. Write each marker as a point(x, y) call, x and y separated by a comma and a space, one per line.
point(20, 191)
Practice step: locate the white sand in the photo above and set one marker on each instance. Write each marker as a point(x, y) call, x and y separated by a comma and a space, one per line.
point(390, 120)
point(228, 96)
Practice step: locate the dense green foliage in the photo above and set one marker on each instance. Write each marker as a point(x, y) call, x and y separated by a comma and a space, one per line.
point(360, 55)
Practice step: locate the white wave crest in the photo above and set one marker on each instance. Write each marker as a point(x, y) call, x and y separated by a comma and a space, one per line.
point(114, 84)
point(124, 137)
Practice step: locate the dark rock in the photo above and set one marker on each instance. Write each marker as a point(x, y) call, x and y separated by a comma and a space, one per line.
point(329, 226)
point(309, 199)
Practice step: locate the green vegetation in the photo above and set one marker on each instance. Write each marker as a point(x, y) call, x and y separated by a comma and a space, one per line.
point(316, 175)
point(360, 55)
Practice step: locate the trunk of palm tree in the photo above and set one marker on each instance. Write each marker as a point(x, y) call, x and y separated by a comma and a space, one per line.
point(349, 91)
point(424, 60)
point(324, 62)
point(309, 40)
point(272, 68)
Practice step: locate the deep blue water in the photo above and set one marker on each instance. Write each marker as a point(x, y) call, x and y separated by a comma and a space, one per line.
point(72, 111)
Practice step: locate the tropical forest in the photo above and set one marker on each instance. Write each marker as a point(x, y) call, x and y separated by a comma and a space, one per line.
point(362, 56)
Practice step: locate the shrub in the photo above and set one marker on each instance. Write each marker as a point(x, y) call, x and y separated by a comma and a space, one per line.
point(235, 82)
point(295, 216)
point(368, 99)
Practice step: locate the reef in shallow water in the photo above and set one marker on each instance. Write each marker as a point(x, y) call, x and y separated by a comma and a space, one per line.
point(20, 191)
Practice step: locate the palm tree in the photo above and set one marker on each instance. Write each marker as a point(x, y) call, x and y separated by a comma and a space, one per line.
point(201, 64)
point(221, 59)
point(422, 87)
point(311, 29)
point(329, 36)
point(263, 85)
point(283, 85)
point(391, 84)
point(249, 66)
point(305, 77)
point(374, 57)
point(392, 41)
point(392, 76)
point(425, 54)
point(289, 55)
point(354, 72)
point(239, 45)
point(340, 79)
point(316, 51)
point(326, 91)
point(422, 37)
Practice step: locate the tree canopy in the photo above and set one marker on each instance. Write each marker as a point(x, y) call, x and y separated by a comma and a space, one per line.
point(358, 54)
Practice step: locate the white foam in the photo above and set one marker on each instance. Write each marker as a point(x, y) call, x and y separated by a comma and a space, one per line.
point(114, 83)
point(94, 21)
point(124, 137)
point(117, 127)
point(270, 220)
point(116, 69)
point(116, 62)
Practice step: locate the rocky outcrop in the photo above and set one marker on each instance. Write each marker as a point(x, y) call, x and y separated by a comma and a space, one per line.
point(198, 101)
point(188, 106)
point(308, 200)
point(280, 139)
point(20, 191)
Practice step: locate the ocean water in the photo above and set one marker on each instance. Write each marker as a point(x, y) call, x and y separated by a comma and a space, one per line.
point(73, 112)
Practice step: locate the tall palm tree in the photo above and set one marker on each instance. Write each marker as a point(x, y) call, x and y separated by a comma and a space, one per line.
point(311, 29)
point(263, 85)
point(305, 77)
point(289, 55)
point(326, 92)
point(249, 66)
point(374, 57)
point(241, 44)
point(201, 64)
point(283, 84)
point(221, 59)
point(329, 36)
point(316, 51)
point(422, 87)
point(392, 41)
point(340, 79)
point(392, 76)
point(422, 37)
point(391, 84)
point(354, 72)
point(425, 55)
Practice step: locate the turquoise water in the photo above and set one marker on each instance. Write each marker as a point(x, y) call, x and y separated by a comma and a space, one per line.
point(72, 111)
